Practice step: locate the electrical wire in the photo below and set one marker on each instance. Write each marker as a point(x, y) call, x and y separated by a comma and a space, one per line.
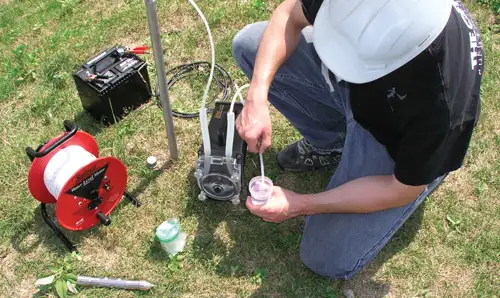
point(221, 77)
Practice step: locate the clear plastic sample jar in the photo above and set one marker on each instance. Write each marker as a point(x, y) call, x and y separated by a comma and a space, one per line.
point(261, 190)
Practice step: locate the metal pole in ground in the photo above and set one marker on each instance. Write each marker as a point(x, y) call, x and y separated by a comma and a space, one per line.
point(154, 31)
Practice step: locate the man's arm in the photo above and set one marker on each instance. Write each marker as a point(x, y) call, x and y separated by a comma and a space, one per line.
point(362, 195)
point(278, 42)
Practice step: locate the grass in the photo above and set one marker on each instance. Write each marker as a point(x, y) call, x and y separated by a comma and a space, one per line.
point(448, 248)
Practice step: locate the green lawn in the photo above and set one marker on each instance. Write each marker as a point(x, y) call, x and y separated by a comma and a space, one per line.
point(229, 253)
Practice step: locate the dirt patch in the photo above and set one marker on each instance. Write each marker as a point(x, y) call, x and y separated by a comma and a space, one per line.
point(7, 263)
point(366, 284)
point(16, 286)
point(453, 281)
point(461, 182)
point(109, 261)
point(25, 288)
point(176, 22)
point(103, 8)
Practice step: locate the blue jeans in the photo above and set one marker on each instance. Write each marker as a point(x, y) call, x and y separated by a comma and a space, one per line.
point(333, 245)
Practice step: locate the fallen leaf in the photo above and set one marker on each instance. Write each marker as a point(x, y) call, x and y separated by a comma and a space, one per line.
point(45, 281)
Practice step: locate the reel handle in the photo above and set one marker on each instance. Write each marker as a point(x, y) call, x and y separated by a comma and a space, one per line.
point(71, 130)
point(103, 218)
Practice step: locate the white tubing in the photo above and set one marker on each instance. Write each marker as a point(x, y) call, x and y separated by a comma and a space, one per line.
point(203, 111)
point(205, 134)
point(230, 134)
point(238, 92)
point(261, 166)
point(231, 121)
point(230, 127)
point(212, 50)
point(242, 100)
point(63, 165)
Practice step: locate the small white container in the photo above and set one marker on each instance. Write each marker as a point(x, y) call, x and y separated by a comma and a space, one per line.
point(171, 238)
point(260, 190)
point(151, 162)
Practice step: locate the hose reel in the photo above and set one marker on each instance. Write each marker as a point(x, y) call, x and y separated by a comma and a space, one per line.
point(68, 172)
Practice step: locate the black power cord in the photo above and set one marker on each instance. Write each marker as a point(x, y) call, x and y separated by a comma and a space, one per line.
point(221, 78)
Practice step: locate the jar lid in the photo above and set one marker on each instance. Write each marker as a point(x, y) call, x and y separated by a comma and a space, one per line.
point(168, 230)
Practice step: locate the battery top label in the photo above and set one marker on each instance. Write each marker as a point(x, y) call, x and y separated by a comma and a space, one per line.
point(127, 64)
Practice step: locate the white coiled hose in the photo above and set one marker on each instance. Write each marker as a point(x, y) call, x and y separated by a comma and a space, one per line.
point(64, 164)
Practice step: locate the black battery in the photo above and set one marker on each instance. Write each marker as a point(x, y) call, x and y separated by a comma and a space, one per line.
point(113, 83)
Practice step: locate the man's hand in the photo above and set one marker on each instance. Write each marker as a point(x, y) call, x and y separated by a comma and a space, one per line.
point(283, 205)
point(254, 123)
point(278, 42)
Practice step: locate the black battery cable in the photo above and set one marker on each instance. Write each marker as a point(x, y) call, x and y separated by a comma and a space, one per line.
point(221, 77)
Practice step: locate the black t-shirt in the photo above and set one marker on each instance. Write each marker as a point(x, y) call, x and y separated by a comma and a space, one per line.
point(425, 111)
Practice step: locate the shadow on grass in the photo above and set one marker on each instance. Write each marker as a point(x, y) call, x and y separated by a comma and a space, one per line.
point(268, 254)
point(24, 246)
point(87, 123)
point(157, 253)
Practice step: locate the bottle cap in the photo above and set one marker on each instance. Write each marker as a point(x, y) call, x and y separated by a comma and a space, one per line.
point(151, 162)
point(168, 230)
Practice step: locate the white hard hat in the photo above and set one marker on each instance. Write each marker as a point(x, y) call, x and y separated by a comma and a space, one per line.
point(363, 40)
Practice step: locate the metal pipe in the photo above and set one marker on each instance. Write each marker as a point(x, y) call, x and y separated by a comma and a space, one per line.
point(154, 31)
point(114, 283)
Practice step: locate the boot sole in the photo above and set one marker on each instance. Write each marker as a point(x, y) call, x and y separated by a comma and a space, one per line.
point(301, 170)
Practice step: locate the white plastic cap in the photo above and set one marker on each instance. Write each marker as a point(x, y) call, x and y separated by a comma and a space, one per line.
point(151, 162)
point(168, 230)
